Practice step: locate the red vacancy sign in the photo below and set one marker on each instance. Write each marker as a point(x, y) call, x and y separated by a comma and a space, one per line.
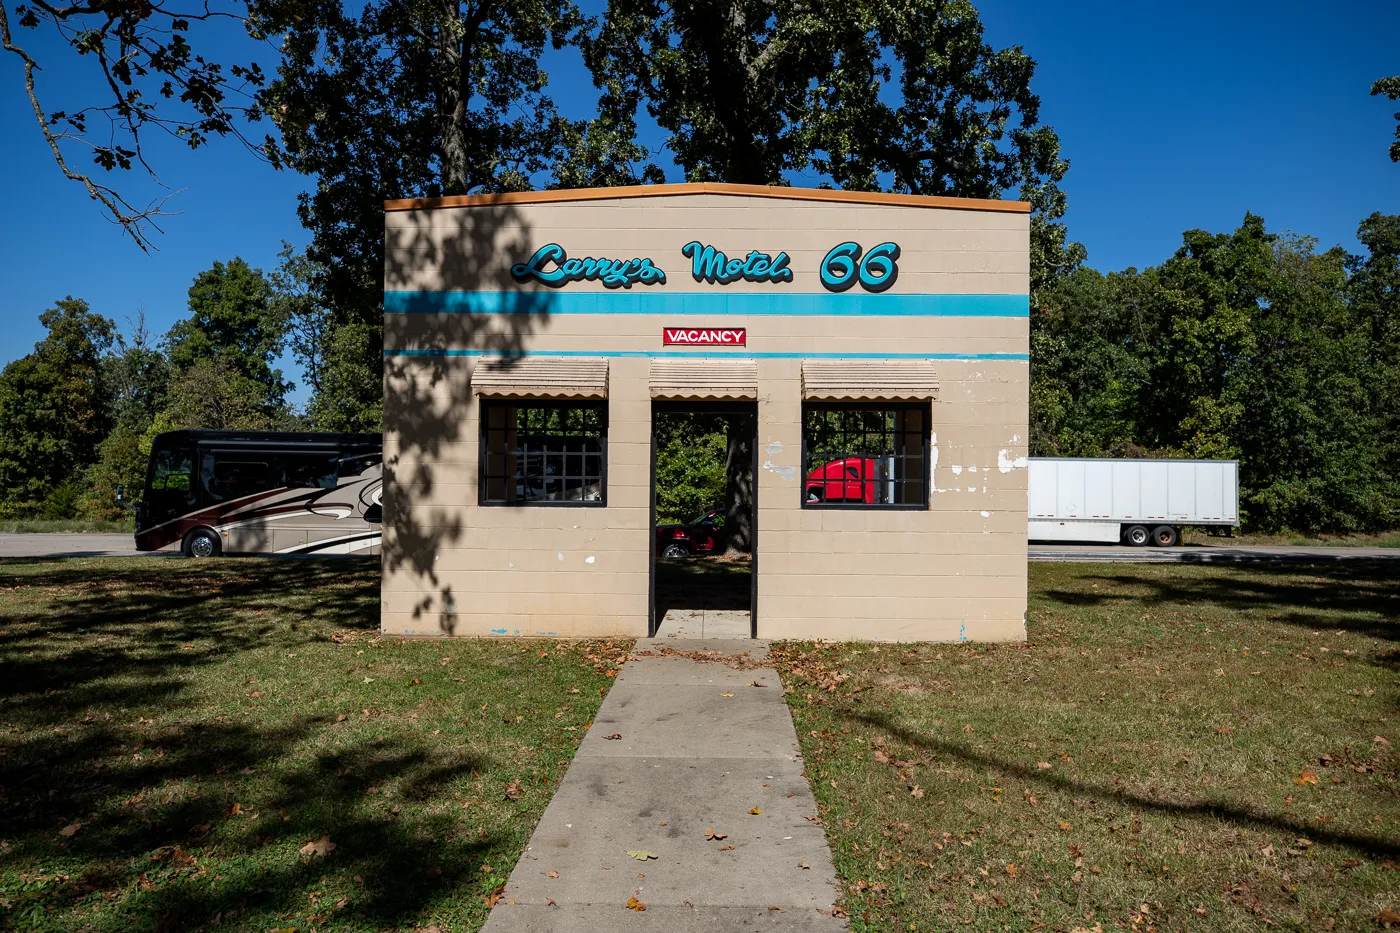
point(703, 336)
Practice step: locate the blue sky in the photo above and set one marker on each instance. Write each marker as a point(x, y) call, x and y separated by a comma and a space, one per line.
point(1174, 115)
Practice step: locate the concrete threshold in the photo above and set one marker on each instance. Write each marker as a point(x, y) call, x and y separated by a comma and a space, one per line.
point(679, 747)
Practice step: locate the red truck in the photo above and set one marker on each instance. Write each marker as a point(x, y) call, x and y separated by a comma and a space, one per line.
point(691, 539)
point(851, 479)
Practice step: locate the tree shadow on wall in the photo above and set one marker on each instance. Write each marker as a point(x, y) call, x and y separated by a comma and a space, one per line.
point(449, 301)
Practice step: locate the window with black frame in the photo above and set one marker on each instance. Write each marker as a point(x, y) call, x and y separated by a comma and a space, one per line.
point(543, 453)
point(865, 455)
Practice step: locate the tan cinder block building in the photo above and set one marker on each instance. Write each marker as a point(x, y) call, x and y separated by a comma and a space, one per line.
point(879, 344)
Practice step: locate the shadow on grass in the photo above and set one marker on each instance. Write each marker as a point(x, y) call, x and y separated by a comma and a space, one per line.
point(1361, 597)
point(1370, 846)
point(98, 644)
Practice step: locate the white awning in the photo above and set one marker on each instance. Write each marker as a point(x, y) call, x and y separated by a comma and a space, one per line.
point(869, 379)
point(542, 377)
point(709, 377)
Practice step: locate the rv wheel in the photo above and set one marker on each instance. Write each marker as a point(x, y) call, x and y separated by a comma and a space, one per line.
point(1137, 536)
point(202, 542)
point(1164, 536)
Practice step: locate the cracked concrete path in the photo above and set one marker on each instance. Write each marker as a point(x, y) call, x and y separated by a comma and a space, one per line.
point(689, 758)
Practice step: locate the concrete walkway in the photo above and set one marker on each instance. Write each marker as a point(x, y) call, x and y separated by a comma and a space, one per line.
point(688, 759)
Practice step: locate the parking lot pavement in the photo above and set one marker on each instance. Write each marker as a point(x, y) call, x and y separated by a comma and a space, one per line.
point(1203, 554)
point(66, 545)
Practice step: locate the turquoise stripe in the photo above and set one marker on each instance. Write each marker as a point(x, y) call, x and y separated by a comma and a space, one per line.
point(711, 352)
point(710, 304)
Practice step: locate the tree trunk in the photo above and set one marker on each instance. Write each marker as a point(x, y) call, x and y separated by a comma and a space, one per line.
point(738, 486)
point(453, 90)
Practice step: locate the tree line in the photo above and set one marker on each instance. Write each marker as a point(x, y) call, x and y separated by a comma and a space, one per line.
point(79, 413)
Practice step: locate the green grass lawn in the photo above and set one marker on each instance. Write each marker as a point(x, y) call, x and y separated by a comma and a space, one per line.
point(69, 525)
point(1177, 748)
point(1202, 536)
point(173, 734)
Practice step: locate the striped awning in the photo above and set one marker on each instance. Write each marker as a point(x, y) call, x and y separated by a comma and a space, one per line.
point(869, 379)
point(704, 378)
point(542, 377)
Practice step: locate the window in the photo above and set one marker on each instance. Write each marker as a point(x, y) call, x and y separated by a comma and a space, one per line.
point(865, 455)
point(170, 492)
point(543, 453)
point(234, 475)
point(315, 471)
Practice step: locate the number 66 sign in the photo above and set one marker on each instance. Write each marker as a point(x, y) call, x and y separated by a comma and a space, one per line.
point(843, 267)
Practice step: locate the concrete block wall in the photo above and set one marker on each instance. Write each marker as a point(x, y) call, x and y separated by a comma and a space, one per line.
point(955, 571)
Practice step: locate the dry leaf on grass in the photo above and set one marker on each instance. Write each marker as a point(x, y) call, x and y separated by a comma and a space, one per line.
point(491, 899)
point(70, 829)
point(322, 846)
point(1306, 777)
point(916, 791)
point(1066, 826)
point(514, 790)
point(642, 855)
point(1388, 918)
point(711, 834)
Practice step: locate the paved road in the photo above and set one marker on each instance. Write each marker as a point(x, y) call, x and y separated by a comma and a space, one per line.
point(1212, 554)
point(66, 545)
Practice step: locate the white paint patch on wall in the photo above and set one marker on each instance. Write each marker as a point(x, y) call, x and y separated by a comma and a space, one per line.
point(774, 448)
point(1005, 464)
point(788, 473)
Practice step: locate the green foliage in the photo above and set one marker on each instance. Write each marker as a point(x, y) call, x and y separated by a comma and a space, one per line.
point(690, 459)
point(870, 95)
point(212, 394)
point(53, 408)
point(1390, 87)
point(233, 320)
point(1250, 346)
point(121, 461)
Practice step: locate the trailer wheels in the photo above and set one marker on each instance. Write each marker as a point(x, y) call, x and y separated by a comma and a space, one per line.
point(202, 542)
point(1165, 536)
point(1137, 535)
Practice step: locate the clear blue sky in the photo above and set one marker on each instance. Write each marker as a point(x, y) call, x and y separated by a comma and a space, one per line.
point(1174, 116)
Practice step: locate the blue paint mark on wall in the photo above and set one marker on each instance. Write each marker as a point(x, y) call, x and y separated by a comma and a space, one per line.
point(708, 304)
point(498, 631)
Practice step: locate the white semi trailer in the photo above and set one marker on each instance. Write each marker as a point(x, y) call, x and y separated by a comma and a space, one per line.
point(1138, 502)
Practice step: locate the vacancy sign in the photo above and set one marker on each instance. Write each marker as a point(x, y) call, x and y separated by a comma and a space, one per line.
point(703, 336)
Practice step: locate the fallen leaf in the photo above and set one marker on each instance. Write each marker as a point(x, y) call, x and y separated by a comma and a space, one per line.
point(1388, 918)
point(1066, 826)
point(491, 899)
point(711, 834)
point(1306, 777)
point(916, 791)
point(70, 829)
point(757, 684)
point(726, 848)
point(514, 790)
point(236, 809)
point(755, 811)
point(778, 909)
point(634, 904)
point(1042, 765)
point(1011, 869)
point(803, 865)
point(726, 694)
point(642, 855)
point(549, 902)
point(551, 874)
point(322, 846)
point(1381, 740)
point(340, 718)
point(614, 737)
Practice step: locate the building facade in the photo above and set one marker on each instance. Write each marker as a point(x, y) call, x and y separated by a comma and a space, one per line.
point(881, 341)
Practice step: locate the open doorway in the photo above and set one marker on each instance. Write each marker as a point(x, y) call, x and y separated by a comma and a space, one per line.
point(704, 509)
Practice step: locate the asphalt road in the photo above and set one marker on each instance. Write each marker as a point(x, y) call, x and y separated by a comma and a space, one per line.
point(86, 545)
point(67, 545)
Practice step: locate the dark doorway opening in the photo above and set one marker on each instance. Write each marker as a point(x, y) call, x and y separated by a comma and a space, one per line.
point(704, 517)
